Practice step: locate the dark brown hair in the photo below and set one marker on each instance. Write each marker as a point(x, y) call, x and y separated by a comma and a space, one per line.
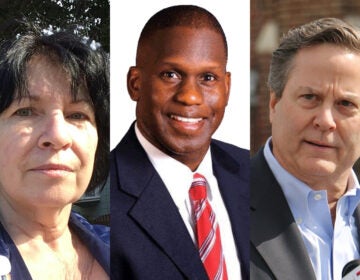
point(84, 65)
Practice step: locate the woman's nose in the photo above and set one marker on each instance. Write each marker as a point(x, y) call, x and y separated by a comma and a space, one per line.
point(55, 133)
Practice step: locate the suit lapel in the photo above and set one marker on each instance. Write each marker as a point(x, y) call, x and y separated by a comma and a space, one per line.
point(158, 216)
point(233, 180)
point(273, 231)
point(154, 210)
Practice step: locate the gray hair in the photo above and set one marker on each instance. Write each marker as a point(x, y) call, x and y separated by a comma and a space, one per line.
point(325, 30)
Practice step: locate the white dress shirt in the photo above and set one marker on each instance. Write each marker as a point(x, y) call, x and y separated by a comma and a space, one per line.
point(177, 178)
point(329, 247)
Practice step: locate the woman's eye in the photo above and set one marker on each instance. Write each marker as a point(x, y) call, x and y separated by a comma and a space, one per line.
point(78, 116)
point(24, 112)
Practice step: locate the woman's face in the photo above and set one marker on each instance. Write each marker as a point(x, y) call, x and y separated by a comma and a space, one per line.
point(47, 141)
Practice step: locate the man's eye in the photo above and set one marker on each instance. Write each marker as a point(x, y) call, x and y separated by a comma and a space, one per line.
point(170, 75)
point(309, 96)
point(209, 77)
point(24, 112)
point(346, 103)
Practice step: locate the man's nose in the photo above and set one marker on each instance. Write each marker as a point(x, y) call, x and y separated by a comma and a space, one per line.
point(189, 92)
point(324, 118)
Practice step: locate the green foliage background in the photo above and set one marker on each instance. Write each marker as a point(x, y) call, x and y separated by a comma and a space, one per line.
point(90, 18)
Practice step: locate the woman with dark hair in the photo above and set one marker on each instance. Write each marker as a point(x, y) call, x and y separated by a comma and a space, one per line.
point(54, 143)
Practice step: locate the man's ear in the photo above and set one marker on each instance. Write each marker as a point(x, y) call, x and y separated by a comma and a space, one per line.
point(133, 83)
point(272, 104)
point(228, 85)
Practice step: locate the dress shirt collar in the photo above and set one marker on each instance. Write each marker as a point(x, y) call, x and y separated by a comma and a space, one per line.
point(176, 176)
point(298, 193)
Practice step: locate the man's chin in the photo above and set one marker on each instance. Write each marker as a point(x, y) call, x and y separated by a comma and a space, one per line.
point(319, 167)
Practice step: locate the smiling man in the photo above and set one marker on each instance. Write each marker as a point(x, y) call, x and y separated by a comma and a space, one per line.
point(304, 206)
point(161, 225)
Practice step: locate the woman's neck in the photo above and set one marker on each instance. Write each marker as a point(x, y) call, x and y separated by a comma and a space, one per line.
point(23, 223)
point(46, 244)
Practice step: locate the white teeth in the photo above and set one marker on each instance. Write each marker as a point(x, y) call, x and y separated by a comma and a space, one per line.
point(187, 120)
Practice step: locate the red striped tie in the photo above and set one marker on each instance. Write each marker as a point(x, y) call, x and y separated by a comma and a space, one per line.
point(207, 230)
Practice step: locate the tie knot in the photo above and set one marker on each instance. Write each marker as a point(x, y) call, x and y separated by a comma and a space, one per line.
point(198, 187)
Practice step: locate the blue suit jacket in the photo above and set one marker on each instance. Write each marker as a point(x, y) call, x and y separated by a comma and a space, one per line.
point(149, 239)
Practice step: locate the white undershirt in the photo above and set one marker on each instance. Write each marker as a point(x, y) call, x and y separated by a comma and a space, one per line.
point(177, 178)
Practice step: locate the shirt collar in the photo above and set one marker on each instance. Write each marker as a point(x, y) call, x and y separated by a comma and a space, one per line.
point(353, 192)
point(176, 176)
point(297, 192)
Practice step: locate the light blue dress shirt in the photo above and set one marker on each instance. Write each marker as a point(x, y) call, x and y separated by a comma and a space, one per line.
point(329, 247)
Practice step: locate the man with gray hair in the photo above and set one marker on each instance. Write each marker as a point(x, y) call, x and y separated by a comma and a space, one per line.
point(304, 206)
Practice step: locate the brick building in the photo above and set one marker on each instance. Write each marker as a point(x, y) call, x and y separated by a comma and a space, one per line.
point(269, 20)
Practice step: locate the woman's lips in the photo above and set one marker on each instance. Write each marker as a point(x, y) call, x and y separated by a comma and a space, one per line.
point(53, 170)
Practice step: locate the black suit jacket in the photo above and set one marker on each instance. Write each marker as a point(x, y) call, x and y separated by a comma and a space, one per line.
point(149, 239)
point(277, 250)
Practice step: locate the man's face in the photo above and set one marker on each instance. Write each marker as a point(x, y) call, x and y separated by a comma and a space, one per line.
point(316, 122)
point(181, 87)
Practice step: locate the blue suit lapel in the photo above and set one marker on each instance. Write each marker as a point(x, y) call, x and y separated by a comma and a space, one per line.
point(155, 211)
point(159, 217)
point(233, 180)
